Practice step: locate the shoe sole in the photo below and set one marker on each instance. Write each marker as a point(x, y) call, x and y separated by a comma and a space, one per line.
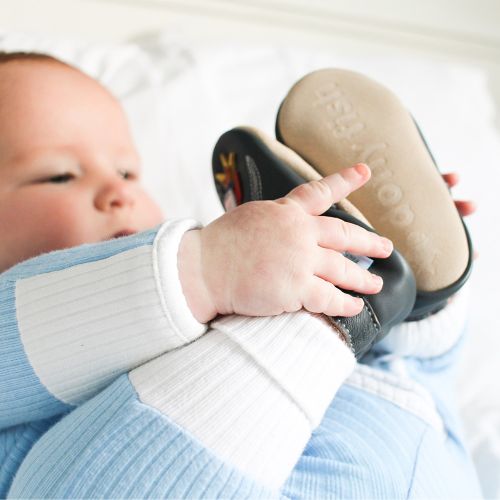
point(334, 118)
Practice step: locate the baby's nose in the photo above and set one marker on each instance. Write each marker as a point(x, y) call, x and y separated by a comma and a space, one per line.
point(115, 194)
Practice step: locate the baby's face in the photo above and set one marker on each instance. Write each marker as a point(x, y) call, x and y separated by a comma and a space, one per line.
point(69, 171)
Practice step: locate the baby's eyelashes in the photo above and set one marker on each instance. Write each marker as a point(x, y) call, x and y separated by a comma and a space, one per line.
point(57, 179)
point(127, 174)
point(68, 176)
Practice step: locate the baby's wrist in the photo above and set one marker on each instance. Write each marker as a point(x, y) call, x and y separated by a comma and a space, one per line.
point(191, 277)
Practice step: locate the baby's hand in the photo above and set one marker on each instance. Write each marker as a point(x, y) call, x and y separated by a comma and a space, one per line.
point(267, 257)
point(464, 207)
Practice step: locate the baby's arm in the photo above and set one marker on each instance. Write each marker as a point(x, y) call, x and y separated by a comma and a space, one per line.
point(225, 416)
point(73, 320)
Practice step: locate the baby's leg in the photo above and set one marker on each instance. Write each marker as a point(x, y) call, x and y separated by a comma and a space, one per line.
point(430, 347)
point(392, 430)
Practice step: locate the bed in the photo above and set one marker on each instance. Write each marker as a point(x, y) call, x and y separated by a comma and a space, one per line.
point(188, 71)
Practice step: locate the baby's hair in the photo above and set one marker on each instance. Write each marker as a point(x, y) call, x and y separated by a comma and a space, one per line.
point(6, 57)
point(29, 56)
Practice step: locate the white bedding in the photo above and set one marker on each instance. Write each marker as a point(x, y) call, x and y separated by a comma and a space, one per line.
point(180, 97)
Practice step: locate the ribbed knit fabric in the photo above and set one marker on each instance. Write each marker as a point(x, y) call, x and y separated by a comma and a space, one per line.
point(442, 331)
point(227, 415)
point(113, 446)
point(366, 446)
point(15, 443)
point(369, 448)
point(252, 389)
point(73, 320)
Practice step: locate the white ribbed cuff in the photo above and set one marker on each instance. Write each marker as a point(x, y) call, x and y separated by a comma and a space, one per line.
point(173, 300)
point(431, 336)
point(251, 390)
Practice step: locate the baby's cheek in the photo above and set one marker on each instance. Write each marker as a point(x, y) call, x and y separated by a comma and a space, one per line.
point(63, 226)
point(151, 213)
point(33, 224)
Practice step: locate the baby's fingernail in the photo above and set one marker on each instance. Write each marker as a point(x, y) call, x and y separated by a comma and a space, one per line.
point(362, 169)
point(377, 280)
point(387, 245)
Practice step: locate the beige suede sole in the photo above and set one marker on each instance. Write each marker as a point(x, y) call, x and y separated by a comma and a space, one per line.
point(335, 118)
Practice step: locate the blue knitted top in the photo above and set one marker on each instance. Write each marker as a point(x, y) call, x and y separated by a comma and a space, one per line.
point(109, 388)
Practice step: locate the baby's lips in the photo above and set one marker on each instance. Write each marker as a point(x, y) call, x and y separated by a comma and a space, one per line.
point(124, 232)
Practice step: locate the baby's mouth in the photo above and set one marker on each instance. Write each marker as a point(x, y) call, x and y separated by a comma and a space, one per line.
point(124, 232)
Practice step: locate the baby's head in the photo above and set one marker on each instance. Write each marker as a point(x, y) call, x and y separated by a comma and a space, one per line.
point(69, 171)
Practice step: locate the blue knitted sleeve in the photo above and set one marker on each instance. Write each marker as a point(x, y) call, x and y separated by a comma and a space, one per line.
point(73, 320)
point(23, 396)
point(15, 443)
point(114, 446)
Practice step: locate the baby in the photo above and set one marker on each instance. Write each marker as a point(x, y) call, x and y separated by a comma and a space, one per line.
point(112, 383)
point(70, 178)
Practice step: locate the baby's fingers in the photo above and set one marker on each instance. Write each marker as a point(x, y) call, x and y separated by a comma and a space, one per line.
point(323, 297)
point(452, 179)
point(342, 272)
point(346, 237)
point(316, 197)
point(465, 207)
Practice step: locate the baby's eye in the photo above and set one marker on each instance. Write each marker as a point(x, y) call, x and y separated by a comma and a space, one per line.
point(126, 174)
point(59, 179)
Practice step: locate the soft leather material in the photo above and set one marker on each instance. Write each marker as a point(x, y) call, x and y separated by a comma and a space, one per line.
point(246, 169)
